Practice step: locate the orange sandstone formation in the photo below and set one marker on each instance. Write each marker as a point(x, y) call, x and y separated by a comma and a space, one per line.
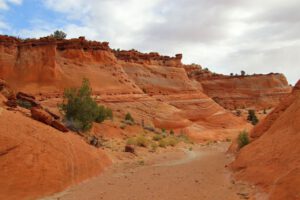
point(152, 87)
point(272, 160)
point(38, 160)
point(238, 92)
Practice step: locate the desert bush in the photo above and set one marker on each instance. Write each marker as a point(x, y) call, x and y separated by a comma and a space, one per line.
point(59, 35)
point(103, 114)
point(140, 141)
point(252, 117)
point(128, 117)
point(24, 104)
point(243, 139)
point(157, 137)
point(80, 109)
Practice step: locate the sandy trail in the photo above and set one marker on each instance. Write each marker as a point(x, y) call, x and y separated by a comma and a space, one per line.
point(198, 174)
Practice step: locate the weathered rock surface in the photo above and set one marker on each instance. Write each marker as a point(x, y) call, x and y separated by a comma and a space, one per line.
point(272, 160)
point(41, 115)
point(153, 88)
point(239, 92)
point(37, 160)
point(45, 117)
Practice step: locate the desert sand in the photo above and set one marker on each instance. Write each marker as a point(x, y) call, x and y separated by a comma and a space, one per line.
point(197, 173)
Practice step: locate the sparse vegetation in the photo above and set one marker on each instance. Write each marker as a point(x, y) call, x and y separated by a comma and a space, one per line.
point(59, 35)
point(243, 139)
point(252, 117)
point(24, 104)
point(157, 140)
point(128, 117)
point(140, 141)
point(103, 114)
point(243, 73)
point(81, 110)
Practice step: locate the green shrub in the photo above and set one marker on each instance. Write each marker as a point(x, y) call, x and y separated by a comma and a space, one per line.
point(128, 117)
point(103, 114)
point(59, 35)
point(24, 104)
point(252, 117)
point(243, 139)
point(80, 109)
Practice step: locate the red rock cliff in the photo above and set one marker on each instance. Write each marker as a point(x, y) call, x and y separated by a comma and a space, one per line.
point(236, 92)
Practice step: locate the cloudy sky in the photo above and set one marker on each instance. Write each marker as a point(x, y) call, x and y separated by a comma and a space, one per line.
point(224, 35)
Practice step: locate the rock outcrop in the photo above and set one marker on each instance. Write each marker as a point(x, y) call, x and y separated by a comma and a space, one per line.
point(154, 88)
point(37, 160)
point(45, 117)
point(272, 160)
point(240, 92)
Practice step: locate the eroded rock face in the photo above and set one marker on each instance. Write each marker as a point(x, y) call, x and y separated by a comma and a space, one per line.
point(240, 92)
point(153, 58)
point(185, 108)
point(272, 160)
point(153, 88)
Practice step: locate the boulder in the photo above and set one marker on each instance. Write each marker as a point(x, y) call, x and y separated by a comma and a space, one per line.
point(59, 126)
point(22, 94)
point(11, 103)
point(41, 115)
point(55, 116)
point(129, 149)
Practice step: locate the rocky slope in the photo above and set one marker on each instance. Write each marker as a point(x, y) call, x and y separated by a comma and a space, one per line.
point(239, 92)
point(154, 88)
point(38, 160)
point(272, 160)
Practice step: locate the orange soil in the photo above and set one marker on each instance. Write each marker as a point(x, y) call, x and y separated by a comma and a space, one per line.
point(196, 174)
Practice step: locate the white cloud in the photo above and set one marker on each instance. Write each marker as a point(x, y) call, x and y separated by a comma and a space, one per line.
point(4, 4)
point(227, 36)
